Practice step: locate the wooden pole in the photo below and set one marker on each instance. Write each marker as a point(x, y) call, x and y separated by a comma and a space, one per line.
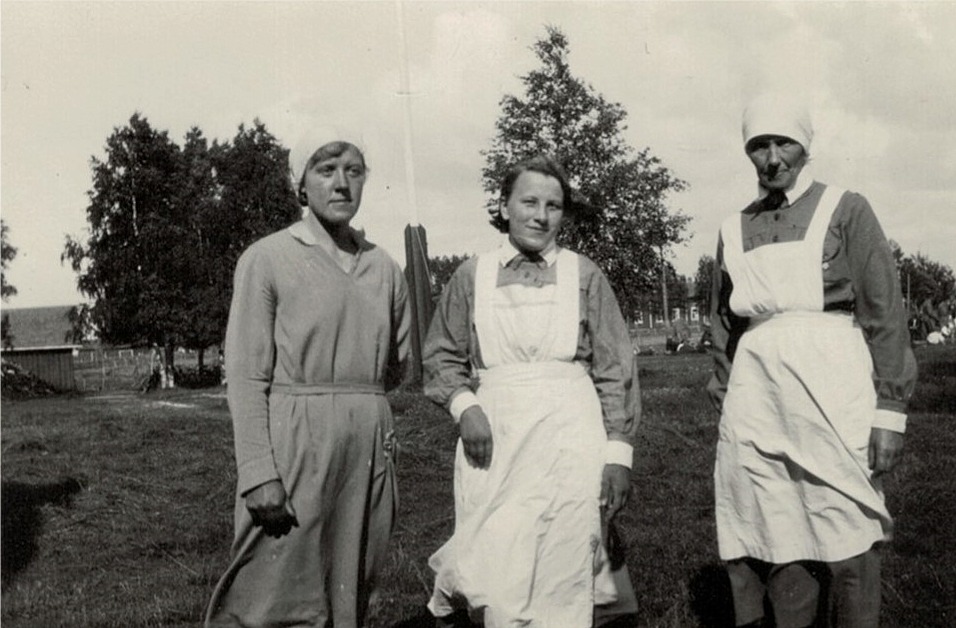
point(419, 291)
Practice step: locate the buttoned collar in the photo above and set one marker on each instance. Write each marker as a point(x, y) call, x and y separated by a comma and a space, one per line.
point(508, 254)
point(795, 191)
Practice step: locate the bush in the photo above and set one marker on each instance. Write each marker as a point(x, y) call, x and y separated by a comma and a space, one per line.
point(19, 383)
point(197, 377)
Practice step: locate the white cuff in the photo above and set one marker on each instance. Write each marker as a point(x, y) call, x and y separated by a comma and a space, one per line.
point(460, 403)
point(890, 420)
point(619, 452)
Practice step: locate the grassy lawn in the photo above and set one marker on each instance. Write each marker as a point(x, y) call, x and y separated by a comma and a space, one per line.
point(117, 507)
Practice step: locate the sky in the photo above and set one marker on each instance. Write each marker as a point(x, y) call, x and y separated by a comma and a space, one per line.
point(878, 77)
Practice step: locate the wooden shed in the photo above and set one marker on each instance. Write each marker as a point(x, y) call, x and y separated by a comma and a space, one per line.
point(54, 365)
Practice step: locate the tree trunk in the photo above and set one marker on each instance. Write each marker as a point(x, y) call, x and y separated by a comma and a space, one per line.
point(667, 314)
point(170, 353)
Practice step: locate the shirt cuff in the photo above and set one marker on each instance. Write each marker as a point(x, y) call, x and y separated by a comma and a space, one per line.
point(256, 472)
point(890, 420)
point(619, 452)
point(461, 402)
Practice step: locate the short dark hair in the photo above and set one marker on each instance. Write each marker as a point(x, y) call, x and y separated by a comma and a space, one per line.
point(542, 164)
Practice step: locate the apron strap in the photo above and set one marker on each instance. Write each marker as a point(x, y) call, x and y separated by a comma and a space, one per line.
point(568, 316)
point(486, 279)
point(822, 216)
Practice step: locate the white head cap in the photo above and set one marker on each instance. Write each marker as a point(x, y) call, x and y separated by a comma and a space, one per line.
point(778, 114)
point(314, 138)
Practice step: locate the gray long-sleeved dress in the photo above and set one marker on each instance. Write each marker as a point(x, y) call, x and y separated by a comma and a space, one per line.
point(310, 351)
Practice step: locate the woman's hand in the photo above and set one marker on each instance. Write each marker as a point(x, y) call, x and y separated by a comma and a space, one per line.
point(271, 509)
point(885, 450)
point(475, 433)
point(615, 486)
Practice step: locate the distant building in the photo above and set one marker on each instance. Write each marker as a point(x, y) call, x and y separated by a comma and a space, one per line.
point(39, 341)
point(684, 308)
point(54, 365)
point(40, 326)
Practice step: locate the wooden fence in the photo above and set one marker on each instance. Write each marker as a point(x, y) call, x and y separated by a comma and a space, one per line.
point(121, 369)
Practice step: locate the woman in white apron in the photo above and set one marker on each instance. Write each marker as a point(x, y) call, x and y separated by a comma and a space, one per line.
point(808, 311)
point(546, 438)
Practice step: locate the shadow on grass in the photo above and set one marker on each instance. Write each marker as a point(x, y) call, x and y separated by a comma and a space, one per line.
point(710, 597)
point(22, 520)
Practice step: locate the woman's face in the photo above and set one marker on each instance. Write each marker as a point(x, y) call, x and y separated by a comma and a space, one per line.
point(777, 159)
point(534, 211)
point(333, 187)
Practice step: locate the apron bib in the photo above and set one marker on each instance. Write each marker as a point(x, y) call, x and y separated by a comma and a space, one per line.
point(791, 478)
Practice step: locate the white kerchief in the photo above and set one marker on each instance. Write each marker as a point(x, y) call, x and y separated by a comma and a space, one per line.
point(778, 114)
point(314, 138)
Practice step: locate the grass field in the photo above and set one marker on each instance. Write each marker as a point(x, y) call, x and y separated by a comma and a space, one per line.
point(117, 507)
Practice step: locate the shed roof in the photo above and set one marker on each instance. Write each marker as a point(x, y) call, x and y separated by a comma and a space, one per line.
point(39, 326)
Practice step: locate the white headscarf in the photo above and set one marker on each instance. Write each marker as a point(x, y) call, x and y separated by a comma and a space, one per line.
point(778, 114)
point(314, 138)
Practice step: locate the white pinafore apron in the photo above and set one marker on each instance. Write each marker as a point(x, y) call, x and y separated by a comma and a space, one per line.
point(527, 541)
point(791, 479)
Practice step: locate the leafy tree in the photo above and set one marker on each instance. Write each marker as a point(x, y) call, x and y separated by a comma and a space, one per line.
point(137, 242)
point(704, 280)
point(441, 269)
point(897, 251)
point(925, 280)
point(6, 338)
point(929, 289)
point(253, 198)
point(626, 227)
point(81, 325)
point(199, 325)
point(7, 253)
point(166, 228)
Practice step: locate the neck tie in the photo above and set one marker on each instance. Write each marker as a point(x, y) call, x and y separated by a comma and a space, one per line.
point(774, 200)
point(531, 258)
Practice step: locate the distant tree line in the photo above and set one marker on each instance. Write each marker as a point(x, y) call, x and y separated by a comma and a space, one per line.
point(929, 290)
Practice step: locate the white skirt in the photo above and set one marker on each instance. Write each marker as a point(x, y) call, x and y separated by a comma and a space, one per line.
point(527, 543)
point(792, 480)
